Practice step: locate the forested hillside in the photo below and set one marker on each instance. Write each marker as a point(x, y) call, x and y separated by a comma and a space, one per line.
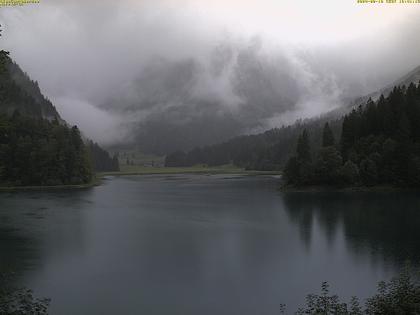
point(101, 160)
point(39, 152)
point(267, 151)
point(37, 147)
point(379, 145)
point(271, 150)
point(19, 92)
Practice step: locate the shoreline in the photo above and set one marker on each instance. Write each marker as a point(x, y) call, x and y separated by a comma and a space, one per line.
point(95, 182)
point(186, 170)
point(360, 189)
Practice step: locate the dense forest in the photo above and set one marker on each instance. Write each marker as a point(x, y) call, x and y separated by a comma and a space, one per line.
point(37, 147)
point(272, 149)
point(266, 151)
point(19, 92)
point(101, 160)
point(40, 152)
point(379, 145)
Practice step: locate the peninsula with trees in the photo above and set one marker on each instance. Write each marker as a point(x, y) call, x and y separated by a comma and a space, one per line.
point(379, 146)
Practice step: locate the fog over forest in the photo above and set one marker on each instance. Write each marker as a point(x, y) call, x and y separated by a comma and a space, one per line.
point(147, 72)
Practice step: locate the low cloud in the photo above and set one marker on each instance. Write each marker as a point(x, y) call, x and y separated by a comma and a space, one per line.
point(113, 66)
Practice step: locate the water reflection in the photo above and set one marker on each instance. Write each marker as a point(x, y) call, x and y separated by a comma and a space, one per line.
point(383, 225)
point(201, 244)
point(35, 226)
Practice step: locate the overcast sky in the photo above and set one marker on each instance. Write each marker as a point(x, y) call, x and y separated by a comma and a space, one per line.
point(80, 50)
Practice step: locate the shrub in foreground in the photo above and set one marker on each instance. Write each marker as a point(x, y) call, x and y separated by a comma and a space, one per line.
point(20, 301)
point(399, 296)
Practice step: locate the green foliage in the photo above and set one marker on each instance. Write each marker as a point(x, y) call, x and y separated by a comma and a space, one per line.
point(292, 171)
point(382, 141)
point(101, 160)
point(381, 138)
point(400, 296)
point(37, 152)
point(176, 159)
point(414, 171)
point(36, 147)
point(326, 304)
point(368, 172)
point(299, 169)
point(349, 173)
point(19, 92)
point(327, 165)
point(20, 301)
point(385, 136)
point(328, 139)
point(266, 151)
point(303, 150)
point(325, 170)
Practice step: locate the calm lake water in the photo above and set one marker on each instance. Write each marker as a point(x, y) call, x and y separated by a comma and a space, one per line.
point(202, 244)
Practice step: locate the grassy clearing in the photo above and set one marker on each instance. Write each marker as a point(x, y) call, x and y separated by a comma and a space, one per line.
point(144, 170)
point(137, 158)
point(199, 169)
point(134, 162)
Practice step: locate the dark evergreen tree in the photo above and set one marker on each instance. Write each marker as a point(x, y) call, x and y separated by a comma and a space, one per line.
point(379, 144)
point(101, 160)
point(303, 150)
point(40, 152)
point(349, 173)
point(35, 147)
point(292, 171)
point(178, 158)
point(327, 166)
point(267, 151)
point(327, 136)
point(299, 169)
point(368, 172)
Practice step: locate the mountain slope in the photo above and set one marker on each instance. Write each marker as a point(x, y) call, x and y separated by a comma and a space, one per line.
point(411, 77)
point(35, 136)
point(379, 145)
point(179, 104)
point(19, 92)
point(270, 150)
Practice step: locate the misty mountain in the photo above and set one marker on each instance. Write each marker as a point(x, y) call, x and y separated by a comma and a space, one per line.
point(271, 149)
point(184, 103)
point(411, 77)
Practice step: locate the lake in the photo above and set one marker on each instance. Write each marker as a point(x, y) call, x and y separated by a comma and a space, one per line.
point(196, 244)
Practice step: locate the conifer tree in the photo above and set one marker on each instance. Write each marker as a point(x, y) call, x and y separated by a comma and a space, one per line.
point(327, 136)
point(303, 151)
